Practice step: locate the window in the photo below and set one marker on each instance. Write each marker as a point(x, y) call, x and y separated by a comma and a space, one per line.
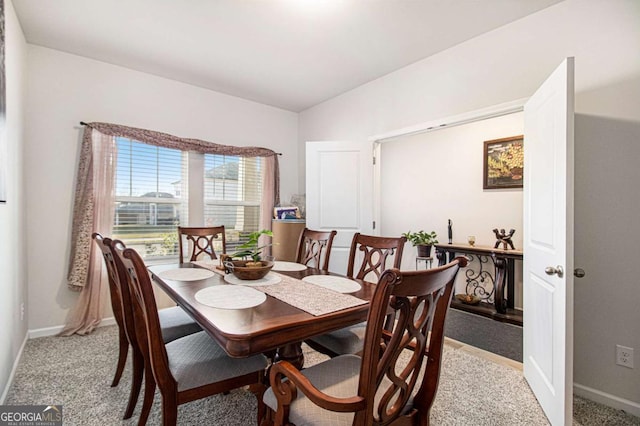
point(154, 194)
point(232, 194)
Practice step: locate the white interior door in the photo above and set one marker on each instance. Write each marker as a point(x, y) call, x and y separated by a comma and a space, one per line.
point(548, 244)
point(339, 186)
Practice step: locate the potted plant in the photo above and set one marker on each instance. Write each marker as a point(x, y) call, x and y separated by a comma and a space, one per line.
point(422, 240)
point(251, 248)
point(252, 267)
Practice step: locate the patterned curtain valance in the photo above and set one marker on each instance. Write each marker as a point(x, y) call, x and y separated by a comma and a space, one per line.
point(185, 144)
point(166, 140)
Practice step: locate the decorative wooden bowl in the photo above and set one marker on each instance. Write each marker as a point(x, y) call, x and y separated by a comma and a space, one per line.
point(238, 268)
point(468, 299)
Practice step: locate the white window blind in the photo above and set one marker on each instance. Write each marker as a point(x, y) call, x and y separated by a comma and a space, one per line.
point(151, 197)
point(232, 195)
point(154, 195)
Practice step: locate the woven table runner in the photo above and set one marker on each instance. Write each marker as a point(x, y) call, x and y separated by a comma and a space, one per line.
point(310, 298)
point(210, 265)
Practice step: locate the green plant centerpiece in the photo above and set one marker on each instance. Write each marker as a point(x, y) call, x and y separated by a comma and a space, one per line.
point(250, 249)
point(422, 240)
point(251, 267)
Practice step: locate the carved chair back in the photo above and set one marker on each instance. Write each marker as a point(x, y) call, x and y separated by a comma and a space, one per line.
point(393, 358)
point(115, 292)
point(124, 315)
point(201, 240)
point(374, 251)
point(396, 378)
point(311, 245)
point(146, 320)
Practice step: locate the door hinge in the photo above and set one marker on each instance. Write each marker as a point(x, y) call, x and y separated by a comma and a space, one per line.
point(374, 160)
point(374, 224)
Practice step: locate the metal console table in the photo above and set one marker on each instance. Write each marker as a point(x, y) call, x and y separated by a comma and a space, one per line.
point(486, 283)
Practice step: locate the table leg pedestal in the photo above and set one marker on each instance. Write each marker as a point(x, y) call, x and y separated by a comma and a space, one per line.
point(292, 353)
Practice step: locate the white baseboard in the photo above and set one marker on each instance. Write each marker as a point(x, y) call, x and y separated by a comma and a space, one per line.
point(5, 391)
point(607, 399)
point(52, 331)
point(44, 332)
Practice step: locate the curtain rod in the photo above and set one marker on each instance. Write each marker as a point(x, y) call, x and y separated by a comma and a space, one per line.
point(82, 123)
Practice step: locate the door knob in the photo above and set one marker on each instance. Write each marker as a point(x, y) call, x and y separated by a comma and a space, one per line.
point(579, 272)
point(550, 270)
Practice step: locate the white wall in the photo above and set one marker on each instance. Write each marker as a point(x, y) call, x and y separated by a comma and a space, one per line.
point(509, 63)
point(64, 89)
point(13, 286)
point(435, 176)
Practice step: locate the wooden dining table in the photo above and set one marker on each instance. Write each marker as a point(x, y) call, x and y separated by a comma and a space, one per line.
point(273, 326)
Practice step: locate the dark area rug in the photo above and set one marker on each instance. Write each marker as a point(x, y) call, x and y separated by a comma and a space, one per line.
point(484, 333)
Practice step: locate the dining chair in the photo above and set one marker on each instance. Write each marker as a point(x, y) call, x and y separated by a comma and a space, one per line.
point(375, 252)
point(311, 245)
point(201, 240)
point(116, 305)
point(174, 323)
point(368, 256)
point(396, 378)
point(188, 368)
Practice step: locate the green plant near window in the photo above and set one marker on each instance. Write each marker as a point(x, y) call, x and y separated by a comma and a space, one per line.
point(421, 238)
point(251, 248)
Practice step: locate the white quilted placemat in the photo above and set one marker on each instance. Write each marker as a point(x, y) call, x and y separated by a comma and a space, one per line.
point(331, 282)
point(288, 266)
point(186, 274)
point(230, 297)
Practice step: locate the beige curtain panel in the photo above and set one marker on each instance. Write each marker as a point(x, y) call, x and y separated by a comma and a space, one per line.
point(93, 206)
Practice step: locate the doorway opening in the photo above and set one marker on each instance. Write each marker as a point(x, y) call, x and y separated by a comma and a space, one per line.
point(424, 179)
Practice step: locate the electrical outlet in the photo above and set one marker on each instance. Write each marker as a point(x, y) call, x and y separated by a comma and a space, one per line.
point(624, 356)
point(22, 311)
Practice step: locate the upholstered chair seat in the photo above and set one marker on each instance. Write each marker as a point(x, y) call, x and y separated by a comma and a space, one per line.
point(176, 323)
point(347, 340)
point(197, 360)
point(338, 377)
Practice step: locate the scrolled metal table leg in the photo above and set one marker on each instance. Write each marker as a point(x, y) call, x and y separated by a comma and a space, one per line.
point(501, 270)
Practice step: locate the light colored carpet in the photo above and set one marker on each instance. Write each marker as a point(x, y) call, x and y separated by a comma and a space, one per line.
point(76, 372)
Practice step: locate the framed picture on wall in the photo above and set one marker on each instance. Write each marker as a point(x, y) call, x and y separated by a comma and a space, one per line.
point(503, 163)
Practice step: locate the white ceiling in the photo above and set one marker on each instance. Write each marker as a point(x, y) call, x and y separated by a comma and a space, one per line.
point(291, 54)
